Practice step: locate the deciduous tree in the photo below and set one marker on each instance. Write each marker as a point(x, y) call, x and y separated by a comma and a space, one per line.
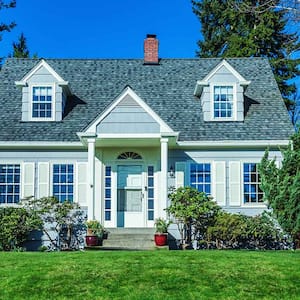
point(6, 27)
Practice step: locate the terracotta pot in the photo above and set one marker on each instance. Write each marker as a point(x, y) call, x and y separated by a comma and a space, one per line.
point(161, 239)
point(91, 240)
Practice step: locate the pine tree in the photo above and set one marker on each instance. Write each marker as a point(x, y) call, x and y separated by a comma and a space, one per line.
point(20, 49)
point(229, 31)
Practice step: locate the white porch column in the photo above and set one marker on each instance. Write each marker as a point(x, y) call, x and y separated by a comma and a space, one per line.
point(163, 177)
point(91, 178)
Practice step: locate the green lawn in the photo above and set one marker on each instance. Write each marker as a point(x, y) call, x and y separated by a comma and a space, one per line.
point(150, 275)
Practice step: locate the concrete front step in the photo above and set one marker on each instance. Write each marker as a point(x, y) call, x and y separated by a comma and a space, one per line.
point(129, 238)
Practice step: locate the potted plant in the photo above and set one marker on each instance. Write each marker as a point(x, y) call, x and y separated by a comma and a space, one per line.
point(94, 235)
point(161, 234)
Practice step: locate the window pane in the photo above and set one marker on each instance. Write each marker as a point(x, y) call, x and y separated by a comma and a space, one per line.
point(151, 193)
point(107, 193)
point(150, 181)
point(150, 204)
point(42, 102)
point(107, 215)
point(9, 183)
point(63, 176)
point(150, 215)
point(252, 191)
point(223, 100)
point(150, 171)
point(200, 177)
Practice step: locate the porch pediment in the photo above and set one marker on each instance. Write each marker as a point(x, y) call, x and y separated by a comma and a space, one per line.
point(128, 115)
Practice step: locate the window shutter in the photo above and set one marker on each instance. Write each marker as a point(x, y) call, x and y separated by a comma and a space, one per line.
point(81, 180)
point(179, 174)
point(234, 183)
point(28, 179)
point(43, 179)
point(219, 178)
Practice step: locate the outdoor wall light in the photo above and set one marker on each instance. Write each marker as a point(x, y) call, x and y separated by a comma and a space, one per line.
point(171, 172)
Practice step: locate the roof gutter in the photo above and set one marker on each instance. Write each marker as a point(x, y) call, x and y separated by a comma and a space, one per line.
point(234, 144)
point(40, 145)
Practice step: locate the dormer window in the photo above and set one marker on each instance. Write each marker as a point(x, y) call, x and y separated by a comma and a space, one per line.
point(221, 93)
point(42, 102)
point(44, 94)
point(223, 101)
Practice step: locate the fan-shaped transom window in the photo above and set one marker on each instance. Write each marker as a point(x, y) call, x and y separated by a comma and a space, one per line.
point(129, 155)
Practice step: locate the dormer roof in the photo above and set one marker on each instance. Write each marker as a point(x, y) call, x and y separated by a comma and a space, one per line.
point(223, 64)
point(43, 64)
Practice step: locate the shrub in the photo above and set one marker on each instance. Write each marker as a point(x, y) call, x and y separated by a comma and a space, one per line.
point(233, 231)
point(64, 219)
point(193, 211)
point(15, 225)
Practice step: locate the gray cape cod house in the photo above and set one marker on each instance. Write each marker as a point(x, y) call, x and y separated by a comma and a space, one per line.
point(115, 135)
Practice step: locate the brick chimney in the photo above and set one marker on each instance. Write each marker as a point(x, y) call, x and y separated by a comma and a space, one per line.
point(151, 49)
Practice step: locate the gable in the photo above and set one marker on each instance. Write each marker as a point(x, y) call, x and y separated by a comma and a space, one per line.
point(42, 69)
point(129, 114)
point(223, 74)
point(128, 117)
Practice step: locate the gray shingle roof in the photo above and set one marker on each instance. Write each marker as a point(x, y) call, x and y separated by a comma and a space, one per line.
point(167, 88)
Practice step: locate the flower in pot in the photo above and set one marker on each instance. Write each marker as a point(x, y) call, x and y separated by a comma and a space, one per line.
point(94, 234)
point(161, 234)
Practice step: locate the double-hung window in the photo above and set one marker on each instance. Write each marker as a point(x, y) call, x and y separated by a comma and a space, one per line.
point(223, 102)
point(9, 183)
point(63, 182)
point(200, 177)
point(42, 102)
point(252, 191)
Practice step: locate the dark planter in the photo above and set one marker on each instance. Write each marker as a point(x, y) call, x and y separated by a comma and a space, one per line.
point(92, 240)
point(161, 239)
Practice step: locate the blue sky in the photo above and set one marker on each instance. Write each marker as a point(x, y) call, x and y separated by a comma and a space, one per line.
point(102, 28)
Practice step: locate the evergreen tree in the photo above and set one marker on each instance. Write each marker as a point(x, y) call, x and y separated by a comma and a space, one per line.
point(281, 187)
point(20, 49)
point(229, 31)
point(6, 27)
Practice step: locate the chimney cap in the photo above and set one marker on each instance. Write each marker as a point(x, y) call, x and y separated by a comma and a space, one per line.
point(149, 35)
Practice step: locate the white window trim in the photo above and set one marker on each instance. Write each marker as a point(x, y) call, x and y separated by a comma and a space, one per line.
point(234, 105)
point(243, 204)
point(31, 86)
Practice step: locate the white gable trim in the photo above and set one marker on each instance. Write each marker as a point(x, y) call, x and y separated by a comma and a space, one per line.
point(129, 92)
point(205, 82)
point(41, 64)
